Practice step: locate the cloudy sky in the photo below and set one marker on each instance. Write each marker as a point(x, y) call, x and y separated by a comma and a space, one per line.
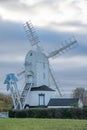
point(55, 21)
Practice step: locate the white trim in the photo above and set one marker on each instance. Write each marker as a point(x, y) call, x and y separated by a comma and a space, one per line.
point(60, 106)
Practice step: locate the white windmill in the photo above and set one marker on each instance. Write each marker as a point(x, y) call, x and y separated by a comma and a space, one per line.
point(37, 91)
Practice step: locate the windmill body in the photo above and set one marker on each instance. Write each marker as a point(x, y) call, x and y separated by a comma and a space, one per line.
point(37, 73)
point(36, 68)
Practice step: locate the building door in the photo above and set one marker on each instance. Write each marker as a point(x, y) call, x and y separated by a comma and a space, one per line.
point(30, 79)
point(41, 99)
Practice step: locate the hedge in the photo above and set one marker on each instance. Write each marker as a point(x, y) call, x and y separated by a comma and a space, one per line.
point(66, 113)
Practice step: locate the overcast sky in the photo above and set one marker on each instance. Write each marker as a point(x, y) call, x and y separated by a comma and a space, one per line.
point(55, 21)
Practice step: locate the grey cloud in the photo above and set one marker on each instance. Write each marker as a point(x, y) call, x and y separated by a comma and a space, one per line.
point(18, 7)
point(76, 77)
point(12, 36)
point(4, 1)
point(10, 31)
point(13, 39)
point(13, 5)
point(54, 6)
point(9, 1)
point(78, 25)
point(72, 23)
point(69, 79)
point(17, 4)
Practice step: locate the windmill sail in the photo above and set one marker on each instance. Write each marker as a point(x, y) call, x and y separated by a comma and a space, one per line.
point(56, 85)
point(68, 45)
point(31, 33)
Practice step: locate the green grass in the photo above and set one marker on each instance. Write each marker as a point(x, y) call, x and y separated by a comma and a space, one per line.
point(42, 124)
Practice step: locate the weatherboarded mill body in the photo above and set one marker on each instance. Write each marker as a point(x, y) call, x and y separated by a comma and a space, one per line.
point(38, 91)
point(37, 76)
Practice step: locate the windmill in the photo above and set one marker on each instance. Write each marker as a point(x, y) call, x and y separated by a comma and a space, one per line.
point(37, 91)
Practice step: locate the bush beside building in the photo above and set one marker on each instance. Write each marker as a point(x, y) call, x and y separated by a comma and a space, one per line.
point(64, 113)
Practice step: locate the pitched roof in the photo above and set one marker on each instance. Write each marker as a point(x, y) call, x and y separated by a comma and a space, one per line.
point(63, 101)
point(42, 88)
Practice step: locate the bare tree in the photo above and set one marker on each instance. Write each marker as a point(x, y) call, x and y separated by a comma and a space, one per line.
point(80, 93)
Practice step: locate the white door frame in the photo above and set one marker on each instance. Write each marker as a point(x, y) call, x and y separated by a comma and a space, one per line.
point(41, 99)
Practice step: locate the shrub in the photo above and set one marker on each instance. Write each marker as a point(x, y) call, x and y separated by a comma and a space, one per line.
point(21, 114)
point(66, 113)
point(12, 113)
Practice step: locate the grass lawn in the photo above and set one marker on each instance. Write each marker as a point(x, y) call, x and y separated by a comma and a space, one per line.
point(42, 124)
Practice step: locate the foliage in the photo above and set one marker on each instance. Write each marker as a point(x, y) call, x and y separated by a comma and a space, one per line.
point(75, 105)
point(66, 113)
point(80, 93)
point(5, 102)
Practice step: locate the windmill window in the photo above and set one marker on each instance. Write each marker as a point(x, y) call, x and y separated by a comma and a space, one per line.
point(43, 75)
point(30, 54)
point(44, 65)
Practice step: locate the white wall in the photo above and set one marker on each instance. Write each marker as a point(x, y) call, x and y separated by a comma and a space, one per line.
point(33, 98)
point(80, 104)
point(42, 74)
